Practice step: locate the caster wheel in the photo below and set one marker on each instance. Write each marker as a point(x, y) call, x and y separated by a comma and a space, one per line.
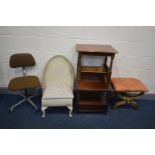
point(11, 110)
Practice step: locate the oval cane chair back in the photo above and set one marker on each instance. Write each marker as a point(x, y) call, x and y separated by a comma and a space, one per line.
point(58, 71)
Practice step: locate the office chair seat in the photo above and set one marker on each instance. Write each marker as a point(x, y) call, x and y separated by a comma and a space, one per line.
point(26, 82)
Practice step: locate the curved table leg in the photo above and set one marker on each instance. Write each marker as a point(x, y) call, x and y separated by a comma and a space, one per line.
point(118, 104)
point(134, 105)
point(127, 99)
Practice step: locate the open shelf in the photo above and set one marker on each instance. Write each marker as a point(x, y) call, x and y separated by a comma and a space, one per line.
point(94, 85)
point(93, 82)
point(92, 102)
point(93, 69)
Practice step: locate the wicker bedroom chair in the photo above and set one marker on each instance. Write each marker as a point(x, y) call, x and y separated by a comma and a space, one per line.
point(58, 82)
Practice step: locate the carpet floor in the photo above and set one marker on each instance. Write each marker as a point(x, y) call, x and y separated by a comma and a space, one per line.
point(25, 117)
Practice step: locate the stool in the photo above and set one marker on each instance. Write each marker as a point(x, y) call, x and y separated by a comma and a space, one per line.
point(128, 89)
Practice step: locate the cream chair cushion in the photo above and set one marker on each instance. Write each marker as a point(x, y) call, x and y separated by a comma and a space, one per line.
point(48, 102)
point(58, 92)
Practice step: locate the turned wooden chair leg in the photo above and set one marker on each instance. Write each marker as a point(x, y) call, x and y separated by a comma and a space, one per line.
point(70, 110)
point(43, 111)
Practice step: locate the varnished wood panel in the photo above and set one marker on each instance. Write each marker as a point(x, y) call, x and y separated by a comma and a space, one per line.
point(93, 69)
point(96, 48)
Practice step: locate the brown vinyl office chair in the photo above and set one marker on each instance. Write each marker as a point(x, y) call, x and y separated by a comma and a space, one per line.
point(25, 82)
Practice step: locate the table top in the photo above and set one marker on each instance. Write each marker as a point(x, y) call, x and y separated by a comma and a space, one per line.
point(96, 48)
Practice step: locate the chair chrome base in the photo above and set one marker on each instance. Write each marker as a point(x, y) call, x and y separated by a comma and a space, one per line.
point(127, 99)
point(23, 100)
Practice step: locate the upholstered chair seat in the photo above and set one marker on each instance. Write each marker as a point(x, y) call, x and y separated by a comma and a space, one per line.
point(128, 85)
point(128, 90)
point(25, 82)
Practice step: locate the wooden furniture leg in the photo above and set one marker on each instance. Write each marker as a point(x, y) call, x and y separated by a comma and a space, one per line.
point(127, 99)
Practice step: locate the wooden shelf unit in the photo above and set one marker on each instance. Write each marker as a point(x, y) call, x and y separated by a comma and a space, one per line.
point(93, 81)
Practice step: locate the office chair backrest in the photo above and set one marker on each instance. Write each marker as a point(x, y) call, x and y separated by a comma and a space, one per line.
point(21, 60)
point(58, 71)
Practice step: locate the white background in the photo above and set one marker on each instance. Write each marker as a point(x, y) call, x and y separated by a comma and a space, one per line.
point(135, 44)
point(69, 12)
